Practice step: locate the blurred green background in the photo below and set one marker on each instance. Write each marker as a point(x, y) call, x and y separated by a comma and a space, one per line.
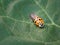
point(16, 27)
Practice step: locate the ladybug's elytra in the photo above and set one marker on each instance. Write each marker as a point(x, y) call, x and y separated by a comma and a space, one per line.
point(37, 20)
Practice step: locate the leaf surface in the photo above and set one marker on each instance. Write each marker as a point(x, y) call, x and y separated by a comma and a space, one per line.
point(16, 27)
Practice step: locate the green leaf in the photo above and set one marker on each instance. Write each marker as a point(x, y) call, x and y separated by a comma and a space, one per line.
point(16, 27)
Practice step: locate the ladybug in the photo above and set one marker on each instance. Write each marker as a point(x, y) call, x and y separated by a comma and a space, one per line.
point(37, 20)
